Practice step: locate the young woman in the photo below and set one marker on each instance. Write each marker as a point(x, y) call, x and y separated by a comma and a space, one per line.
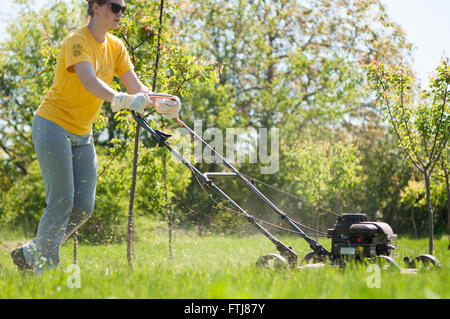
point(62, 127)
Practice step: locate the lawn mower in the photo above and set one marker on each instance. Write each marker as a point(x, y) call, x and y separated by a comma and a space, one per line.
point(352, 238)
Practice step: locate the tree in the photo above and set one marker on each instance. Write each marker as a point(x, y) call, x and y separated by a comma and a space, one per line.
point(421, 121)
point(442, 170)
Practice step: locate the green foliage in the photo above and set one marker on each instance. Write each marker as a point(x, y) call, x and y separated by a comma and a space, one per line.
point(326, 176)
point(414, 197)
point(21, 205)
point(324, 170)
point(414, 194)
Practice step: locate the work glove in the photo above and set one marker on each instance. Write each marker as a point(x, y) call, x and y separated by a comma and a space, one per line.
point(136, 102)
point(167, 107)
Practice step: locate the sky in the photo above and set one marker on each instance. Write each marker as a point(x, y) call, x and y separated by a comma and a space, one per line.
point(426, 23)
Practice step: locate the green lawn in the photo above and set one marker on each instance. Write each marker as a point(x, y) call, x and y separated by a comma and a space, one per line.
point(215, 267)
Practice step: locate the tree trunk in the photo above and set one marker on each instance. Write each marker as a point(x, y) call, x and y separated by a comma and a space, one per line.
point(168, 203)
point(170, 222)
point(75, 247)
point(318, 217)
point(414, 222)
point(430, 214)
point(130, 226)
point(448, 203)
point(317, 223)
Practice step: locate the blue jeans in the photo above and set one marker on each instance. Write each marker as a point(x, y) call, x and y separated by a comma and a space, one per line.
point(68, 164)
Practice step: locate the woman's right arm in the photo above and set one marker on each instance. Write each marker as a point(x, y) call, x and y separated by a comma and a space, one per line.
point(86, 73)
point(119, 100)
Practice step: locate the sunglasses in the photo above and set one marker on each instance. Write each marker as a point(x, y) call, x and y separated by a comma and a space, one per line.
point(115, 8)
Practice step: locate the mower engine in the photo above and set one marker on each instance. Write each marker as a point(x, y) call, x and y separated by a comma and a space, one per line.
point(354, 236)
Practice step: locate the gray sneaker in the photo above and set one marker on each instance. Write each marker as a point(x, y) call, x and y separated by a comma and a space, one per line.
point(19, 260)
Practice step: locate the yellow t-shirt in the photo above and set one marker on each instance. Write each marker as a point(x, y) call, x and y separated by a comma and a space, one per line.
point(68, 103)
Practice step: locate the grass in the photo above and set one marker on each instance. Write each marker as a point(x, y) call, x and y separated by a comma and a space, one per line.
point(215, 267)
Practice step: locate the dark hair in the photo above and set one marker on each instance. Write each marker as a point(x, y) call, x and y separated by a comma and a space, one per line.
point(90, 10)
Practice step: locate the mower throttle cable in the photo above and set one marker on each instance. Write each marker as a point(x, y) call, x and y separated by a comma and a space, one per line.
point(293, 196)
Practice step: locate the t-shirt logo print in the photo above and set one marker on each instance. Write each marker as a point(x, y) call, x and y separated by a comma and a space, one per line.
point(76, 50)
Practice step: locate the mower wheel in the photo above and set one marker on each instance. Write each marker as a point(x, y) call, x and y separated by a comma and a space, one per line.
point(272, 261)
point(425, 262)
point(386, 262)
point(312, 258)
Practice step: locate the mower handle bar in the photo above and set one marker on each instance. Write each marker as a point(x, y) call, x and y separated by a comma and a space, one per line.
point(161, 138)
point(315, 246)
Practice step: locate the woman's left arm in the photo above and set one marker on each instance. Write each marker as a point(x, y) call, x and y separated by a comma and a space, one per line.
point(132, 83)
